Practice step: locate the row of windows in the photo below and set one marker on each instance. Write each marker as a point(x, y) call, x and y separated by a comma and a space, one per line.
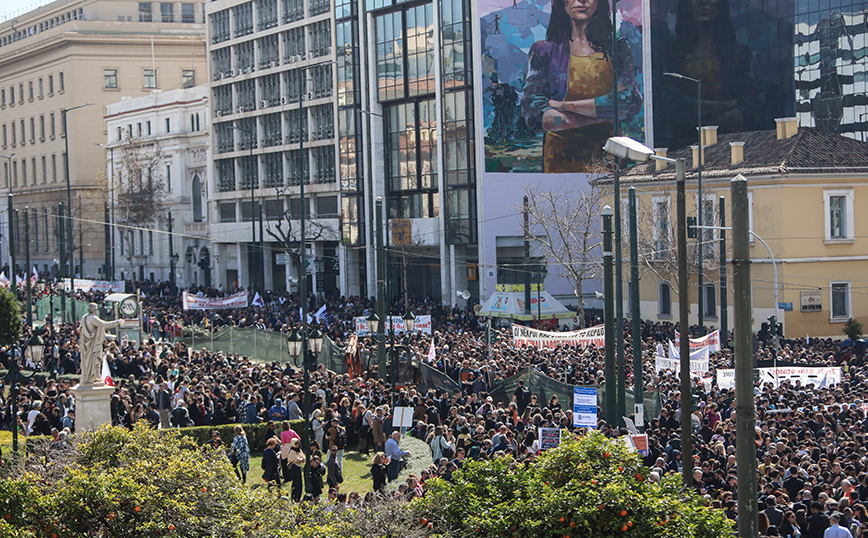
point(167, 13)
point(149, 78)
point(325, 206)
point(291, 46)
point(144, 129)
point(43, 233)
point(238, 20)
point(32, 89)
point(41, 170)
point(15, 133)
point(277, 169)
point(273, 90)
point(33, 29)
point(316, 123)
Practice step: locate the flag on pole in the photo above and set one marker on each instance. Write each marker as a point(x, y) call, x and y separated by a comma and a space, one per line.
point(257, 300)
point(322, 316)
point(34, 276)
point(107, 373)
point(4, 282)
point(432, 355)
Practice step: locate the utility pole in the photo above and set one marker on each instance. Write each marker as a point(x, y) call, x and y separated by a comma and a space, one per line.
point(745, 406)
point(724, 315)
point(638, 375)
point(619, 276)
point(525, 210)
point(171, 257)
point(381, 292)
point(28, 285)
point(13, 280)
point(108, 244)
point(62, 240)
point(608, 315)
point(686, 438)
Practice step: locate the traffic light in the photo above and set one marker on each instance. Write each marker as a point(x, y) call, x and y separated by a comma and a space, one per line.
point(779, 329)
point(691, 227)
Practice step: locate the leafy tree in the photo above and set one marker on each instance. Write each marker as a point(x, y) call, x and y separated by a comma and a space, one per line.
point(592, 487)
point(853, 329)
point(10, 318)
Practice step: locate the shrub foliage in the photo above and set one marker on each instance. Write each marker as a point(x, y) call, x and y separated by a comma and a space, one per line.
point(591, 487)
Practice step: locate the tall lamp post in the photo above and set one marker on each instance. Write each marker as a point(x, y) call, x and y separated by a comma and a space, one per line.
point(699, 200)
point(13, 376)
point(305, 346)
point(63, 113)
point(259, 264)
point(110, 241)
point(627, 148)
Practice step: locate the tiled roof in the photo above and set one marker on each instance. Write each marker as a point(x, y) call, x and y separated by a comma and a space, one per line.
point(809, 151)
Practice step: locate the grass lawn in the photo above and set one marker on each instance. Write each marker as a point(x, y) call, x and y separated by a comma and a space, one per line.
point(357, 473)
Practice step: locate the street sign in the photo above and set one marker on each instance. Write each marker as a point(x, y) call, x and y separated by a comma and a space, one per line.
point(786, 307)
point(281, 258)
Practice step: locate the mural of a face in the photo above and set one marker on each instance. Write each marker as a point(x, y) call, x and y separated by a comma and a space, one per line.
point(581, 10)
point(704, 10)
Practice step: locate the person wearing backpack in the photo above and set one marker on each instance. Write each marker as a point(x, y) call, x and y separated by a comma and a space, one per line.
point(337, 437)
point(440, 446)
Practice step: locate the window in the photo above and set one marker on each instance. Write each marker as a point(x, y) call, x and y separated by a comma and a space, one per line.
point(2, 97)
point(32, 130)
point(327, 206)
point(168, 125)
point(274, 209)
point(30, 90)
point(188, 78)
point(196, 191)
point(50, 85)
point(145, 12)
point(23, 172)
point(54, 168)
point(709, 305)
point(147, 128)
point(411, 166)
point(40, 88)
point(660, 247)
point(44, 170)
point(168, 178)
point(51, 124)
point(4, 135)
point(243, 17)
point(150, 243)
point(839, 215)
point(840, 295)
point(150, 79)
point(60, 75)
point(227, 211)
point(167, 12)
point(42, 127)
point(11, 95)
point(139, 129)
point(188, 15)
point(664, 299)
point(220, 26)
point(110, 77)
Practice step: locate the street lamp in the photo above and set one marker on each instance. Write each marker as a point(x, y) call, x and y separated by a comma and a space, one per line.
point(627, 148)
point(14, 376)
point(110, 255)
point(63, 112)
point(260, 264)
point(409, 322)
point(305, 346)
point(36, 346)
point(700, 201)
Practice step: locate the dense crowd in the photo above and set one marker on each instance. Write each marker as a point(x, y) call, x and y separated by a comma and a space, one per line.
point(810, 441)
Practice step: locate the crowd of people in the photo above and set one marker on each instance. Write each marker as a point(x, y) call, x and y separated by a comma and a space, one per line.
point(810, 440)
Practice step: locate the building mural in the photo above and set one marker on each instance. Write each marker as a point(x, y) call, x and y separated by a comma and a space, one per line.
point(547, 81)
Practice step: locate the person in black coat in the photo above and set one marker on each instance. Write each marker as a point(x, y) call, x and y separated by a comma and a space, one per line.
point(271, 464)
point(818, 522)
point(316, 473)
point(335, 476)
point(378, 472)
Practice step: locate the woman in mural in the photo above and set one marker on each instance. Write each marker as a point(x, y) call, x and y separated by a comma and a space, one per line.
point(568, 90)
point(707, 50)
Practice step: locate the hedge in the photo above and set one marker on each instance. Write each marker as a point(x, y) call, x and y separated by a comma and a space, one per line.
point(42, 377)
point(201, 435)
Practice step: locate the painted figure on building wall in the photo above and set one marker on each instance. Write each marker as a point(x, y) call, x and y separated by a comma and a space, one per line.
point(568, 93)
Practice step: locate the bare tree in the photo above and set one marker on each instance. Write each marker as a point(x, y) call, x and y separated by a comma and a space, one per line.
point(139, 193)
point(566, 223)
point(286, 230)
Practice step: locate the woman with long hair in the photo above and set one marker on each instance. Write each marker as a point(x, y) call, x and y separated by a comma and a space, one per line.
point(295, 462)
point(240, 454)
point(378, 472)
point(568, 89)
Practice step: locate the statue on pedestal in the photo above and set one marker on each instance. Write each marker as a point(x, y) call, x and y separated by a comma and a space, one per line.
point(92, 336)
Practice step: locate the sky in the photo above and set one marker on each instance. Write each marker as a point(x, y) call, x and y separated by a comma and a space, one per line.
point(8, 7)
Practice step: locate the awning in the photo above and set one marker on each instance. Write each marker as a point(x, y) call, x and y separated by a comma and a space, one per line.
point(508, 301)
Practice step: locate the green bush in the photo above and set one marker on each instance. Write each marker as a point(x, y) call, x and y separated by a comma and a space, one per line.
point(42, 377)
point(592, 488)
point(201, 435)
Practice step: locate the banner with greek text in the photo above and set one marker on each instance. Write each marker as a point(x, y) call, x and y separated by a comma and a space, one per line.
point(193, 302)
point(94, 285)
point(710, 340)
point(527, 337)
point(421, 325)
point(698, 363)
point(818, 376)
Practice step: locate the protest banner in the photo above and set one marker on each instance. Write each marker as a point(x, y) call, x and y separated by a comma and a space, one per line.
point(711, 341)
point(421, 325)
point(549, 438)
point(85, 285)
point(818, 376)
point(527, 337)
point(193, 302)
point(585, 407)
point(699, 363)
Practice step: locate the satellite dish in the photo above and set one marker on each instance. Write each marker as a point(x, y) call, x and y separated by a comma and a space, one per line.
point(464, 294)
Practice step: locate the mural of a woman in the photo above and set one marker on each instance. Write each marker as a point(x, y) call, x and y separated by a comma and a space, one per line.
point(568, 90)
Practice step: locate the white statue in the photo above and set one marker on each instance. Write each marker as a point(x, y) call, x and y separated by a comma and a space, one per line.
point(92, 331)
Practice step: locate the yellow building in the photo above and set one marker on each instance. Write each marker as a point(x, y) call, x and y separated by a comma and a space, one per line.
point(804, 186)
point(69, 53)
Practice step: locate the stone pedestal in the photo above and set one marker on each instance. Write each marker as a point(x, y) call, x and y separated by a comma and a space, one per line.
point(92, 406)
